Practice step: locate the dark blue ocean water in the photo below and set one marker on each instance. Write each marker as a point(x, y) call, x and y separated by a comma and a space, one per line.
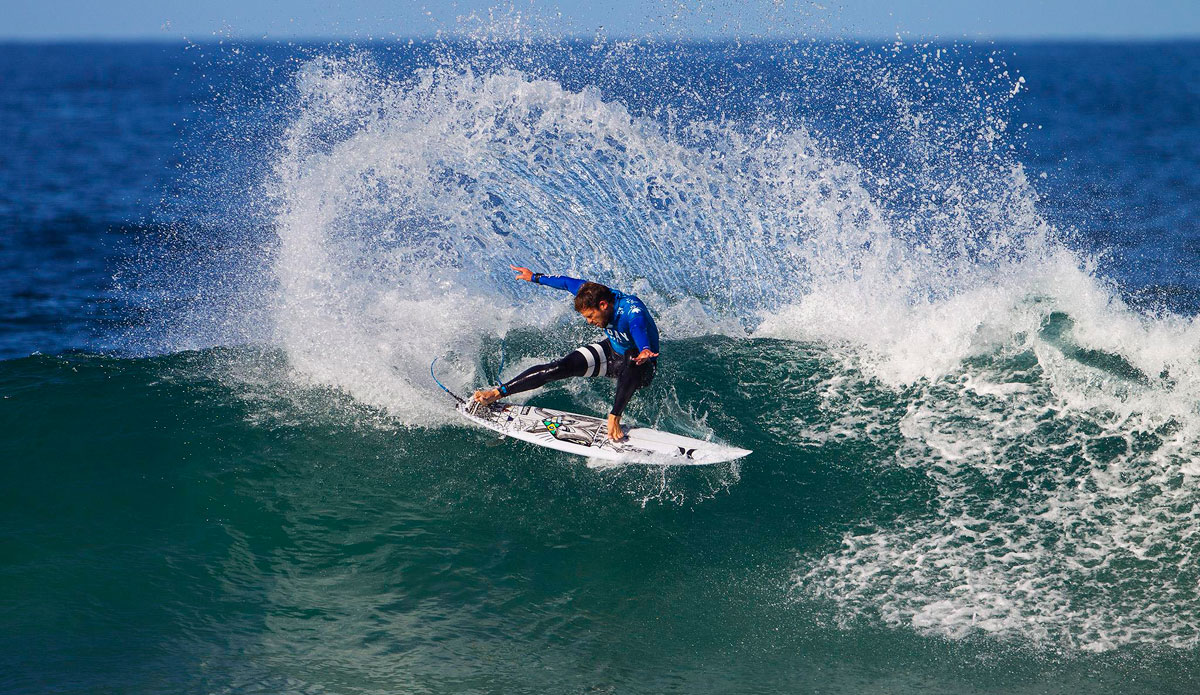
point(946, 292)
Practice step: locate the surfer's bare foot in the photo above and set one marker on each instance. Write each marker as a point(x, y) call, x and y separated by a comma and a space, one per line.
point(487, 396)
point(614, 428)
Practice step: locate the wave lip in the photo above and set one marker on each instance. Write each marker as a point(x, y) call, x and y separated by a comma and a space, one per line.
point(427, 188)
point(403, 202)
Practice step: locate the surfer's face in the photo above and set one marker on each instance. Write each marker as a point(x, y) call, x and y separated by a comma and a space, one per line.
point(599, 316)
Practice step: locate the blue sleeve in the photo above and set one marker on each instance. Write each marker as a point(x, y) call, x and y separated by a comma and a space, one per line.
point(639, 329)
point(561, 282)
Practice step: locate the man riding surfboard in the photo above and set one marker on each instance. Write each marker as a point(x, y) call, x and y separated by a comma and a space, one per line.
point(629, 355)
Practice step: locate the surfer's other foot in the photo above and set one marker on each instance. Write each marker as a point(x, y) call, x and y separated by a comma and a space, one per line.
point(487, 396)
point(615, 432)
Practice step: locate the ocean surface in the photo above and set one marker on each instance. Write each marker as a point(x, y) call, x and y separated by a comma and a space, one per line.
point(947, 293)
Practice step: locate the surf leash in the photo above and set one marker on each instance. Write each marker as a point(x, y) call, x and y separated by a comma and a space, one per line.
point(435, 380)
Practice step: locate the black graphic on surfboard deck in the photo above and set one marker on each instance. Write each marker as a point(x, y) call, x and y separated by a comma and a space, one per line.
point(568, 430)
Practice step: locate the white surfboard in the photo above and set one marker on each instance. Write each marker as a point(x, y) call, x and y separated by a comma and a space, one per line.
point(588, 436)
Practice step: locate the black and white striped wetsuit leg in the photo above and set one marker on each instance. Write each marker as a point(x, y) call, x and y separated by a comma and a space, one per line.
point(589, 360)
point(599, 358)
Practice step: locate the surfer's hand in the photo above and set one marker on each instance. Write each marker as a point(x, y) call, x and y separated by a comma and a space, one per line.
point(523, 273)
point(644, 356)
point(614, 428)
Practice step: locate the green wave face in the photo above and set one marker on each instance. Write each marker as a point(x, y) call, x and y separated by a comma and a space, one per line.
point(240, 530)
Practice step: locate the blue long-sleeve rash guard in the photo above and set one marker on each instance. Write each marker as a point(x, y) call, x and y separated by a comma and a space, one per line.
point(631, 327)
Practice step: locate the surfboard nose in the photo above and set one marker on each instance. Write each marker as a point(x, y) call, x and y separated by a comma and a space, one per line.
point(722, 454)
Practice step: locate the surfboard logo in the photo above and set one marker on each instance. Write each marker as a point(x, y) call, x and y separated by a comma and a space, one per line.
point(566, 432)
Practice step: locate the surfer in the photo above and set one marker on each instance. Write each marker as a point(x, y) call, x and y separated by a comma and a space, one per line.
point(629, 355)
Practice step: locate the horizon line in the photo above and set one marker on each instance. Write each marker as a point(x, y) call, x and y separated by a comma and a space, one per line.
point(451, 37)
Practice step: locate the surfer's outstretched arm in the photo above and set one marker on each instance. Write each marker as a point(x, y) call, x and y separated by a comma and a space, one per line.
point(561, 282)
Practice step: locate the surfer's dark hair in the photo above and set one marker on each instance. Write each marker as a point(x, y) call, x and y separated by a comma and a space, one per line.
point(591, 294)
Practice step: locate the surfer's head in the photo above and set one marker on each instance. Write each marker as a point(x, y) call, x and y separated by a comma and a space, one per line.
point(595, 302)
